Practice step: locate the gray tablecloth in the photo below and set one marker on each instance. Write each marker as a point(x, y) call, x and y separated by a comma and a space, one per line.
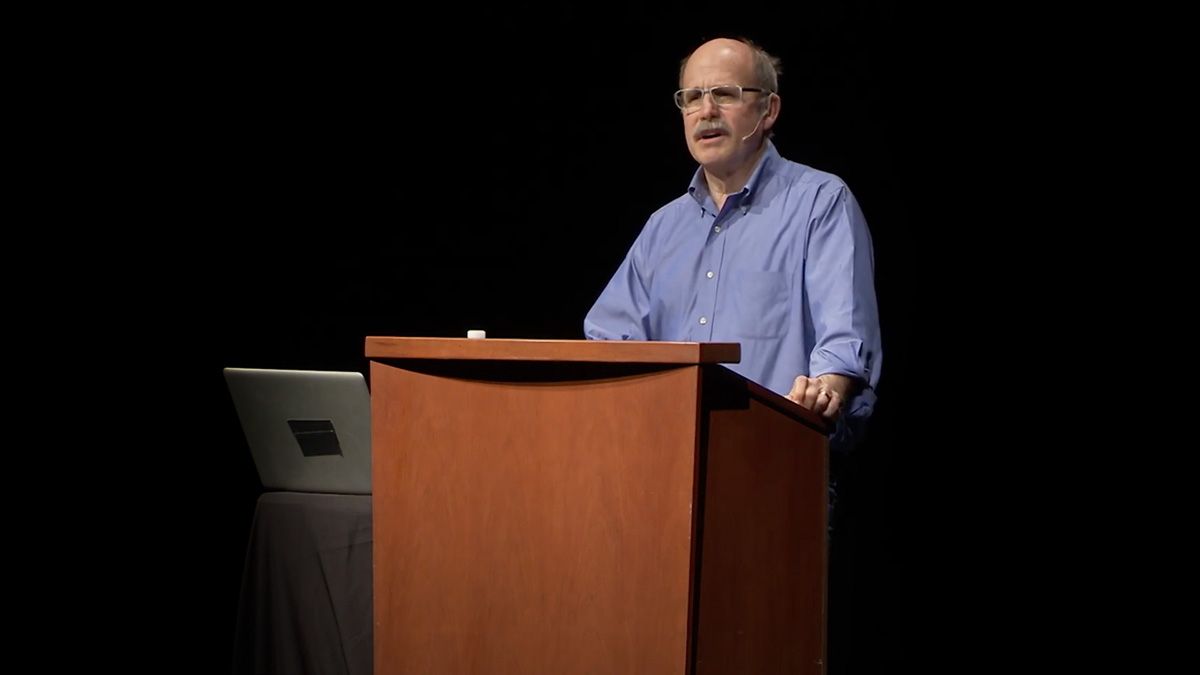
point(305, 602)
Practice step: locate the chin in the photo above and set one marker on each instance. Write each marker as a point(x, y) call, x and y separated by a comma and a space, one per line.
point(714, 159)
point(708, 156)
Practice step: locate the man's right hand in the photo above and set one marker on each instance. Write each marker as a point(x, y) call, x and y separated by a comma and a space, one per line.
point(823, 395)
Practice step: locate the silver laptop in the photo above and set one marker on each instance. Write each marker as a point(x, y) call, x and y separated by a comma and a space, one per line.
point(308, 430)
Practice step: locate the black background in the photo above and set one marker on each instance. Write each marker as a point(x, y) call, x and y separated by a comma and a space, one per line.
point(307, 180)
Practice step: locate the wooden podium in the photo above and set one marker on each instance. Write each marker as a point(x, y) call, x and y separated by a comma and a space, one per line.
point(568, 507)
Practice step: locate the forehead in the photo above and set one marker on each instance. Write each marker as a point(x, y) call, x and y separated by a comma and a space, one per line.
point(724, 65)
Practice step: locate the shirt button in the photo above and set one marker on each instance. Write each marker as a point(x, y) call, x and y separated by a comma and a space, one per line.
point(703, 320)
point(709, 275)
point(717, 228)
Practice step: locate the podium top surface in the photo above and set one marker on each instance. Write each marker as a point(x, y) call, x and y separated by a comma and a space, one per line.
point(594, 351)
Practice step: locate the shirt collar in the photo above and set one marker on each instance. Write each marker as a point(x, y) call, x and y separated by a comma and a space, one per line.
point(698, 188)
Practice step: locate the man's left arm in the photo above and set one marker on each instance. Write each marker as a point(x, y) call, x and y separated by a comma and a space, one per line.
point(839, 283)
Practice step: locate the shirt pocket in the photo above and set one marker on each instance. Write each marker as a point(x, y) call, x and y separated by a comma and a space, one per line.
point(760, 304)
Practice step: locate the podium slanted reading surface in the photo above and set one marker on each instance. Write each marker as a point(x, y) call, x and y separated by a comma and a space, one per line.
point(563, 506)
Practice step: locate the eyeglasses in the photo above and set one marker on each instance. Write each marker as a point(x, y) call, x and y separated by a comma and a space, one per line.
point(723, 95)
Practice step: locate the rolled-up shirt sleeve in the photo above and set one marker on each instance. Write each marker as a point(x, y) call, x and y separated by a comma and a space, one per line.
point(840, 289)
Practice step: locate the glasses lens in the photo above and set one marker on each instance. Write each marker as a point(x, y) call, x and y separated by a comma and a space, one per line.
point(688, 98)
point(727, 95)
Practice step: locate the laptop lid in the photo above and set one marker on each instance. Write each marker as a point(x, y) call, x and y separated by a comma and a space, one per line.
point(308, 430)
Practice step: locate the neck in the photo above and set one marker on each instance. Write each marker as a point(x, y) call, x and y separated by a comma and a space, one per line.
point(724, 182)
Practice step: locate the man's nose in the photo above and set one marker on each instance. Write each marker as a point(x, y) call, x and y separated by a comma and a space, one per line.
point(708, 106)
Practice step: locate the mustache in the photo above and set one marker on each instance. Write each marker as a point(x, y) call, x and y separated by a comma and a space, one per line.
point(711, 125)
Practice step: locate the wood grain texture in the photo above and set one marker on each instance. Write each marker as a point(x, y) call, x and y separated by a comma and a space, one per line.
point(532, 527)
point(612, 351)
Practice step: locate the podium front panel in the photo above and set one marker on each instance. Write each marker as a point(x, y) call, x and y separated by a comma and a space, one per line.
point(533, 526)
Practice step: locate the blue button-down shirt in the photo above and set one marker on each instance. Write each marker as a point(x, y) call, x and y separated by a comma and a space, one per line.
point(786, 268)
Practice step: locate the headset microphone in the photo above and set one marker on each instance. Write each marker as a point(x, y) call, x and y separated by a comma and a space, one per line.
point(764, 116)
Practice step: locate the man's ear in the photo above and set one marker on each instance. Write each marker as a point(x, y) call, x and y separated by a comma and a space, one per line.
point(772, 112)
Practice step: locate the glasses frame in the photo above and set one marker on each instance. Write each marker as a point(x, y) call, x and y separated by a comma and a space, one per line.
point(707, 91)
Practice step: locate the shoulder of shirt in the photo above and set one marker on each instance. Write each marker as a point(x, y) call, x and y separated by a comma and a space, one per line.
point(788, 171)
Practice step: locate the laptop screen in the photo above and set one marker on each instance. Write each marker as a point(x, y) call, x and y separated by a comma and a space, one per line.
point(308, 430)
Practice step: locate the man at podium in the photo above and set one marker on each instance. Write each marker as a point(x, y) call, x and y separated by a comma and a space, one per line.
point(759, 250)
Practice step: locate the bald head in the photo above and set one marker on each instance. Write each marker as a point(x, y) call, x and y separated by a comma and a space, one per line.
point(742, 56)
